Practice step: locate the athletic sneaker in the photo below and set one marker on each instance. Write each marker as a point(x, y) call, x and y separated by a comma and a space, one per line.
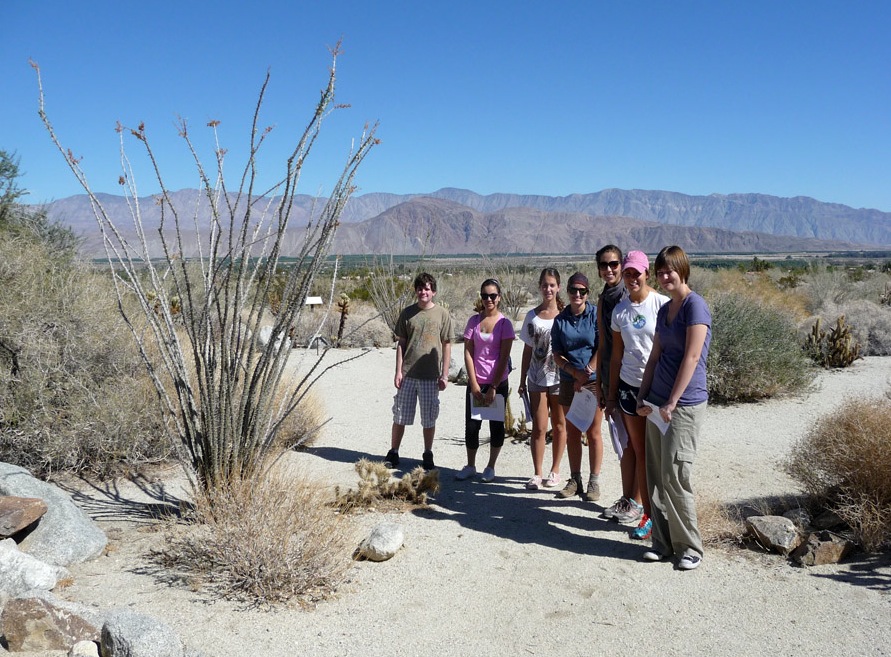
point(644, 530)
point(572, 488)
point(592, 493)
point(534, 483)
point(552, 481)
point(391, 460)
point(619, 505)
point(631, 515)
point(653, 555)
point(488, 475)
point(690, 562)
point(465, 473)
point(427, 461)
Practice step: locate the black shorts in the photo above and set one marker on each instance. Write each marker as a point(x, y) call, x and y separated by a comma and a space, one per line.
point(627, 397)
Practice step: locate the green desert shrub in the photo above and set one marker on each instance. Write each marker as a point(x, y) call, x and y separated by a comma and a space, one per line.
point(755, 352)
point(845, 463)
point(73, 392)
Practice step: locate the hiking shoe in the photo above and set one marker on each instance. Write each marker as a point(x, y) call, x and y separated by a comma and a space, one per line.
point(690, 562)
point(465, 473)
point(391, 460)
point(644, 530)
point(592, 493)
point(552, 481)
point(427, 461)
point(573, 487)
point(630, 515)
point(534, 483)
point(620, 504)
point(653, 555)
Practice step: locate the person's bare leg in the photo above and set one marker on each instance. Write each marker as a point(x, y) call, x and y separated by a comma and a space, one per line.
point(595, 444)
point(558, 433)
point(637, 428)
point(396, 436)
point(429, 433)
point(539, 408)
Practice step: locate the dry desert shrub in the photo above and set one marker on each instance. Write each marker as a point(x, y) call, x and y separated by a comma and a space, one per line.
point(757, 286)
point(301, 428)
point(266, 541)
point(377, 485)
point(720, 524)
point(73, 392)
point(365, 327)
point(845, 463)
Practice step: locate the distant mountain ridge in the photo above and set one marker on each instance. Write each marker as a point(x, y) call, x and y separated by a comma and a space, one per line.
point(461, 221)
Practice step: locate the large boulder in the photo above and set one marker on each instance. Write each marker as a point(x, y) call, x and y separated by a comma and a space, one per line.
point(382, 543)
point(129, 634)
point(21, 573)
point(17, 513)
point(65, 534)
point(42, 622)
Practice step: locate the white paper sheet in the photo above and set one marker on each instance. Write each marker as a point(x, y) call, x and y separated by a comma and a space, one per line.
point(656, 418)
point(494, 411)
point(581, 412)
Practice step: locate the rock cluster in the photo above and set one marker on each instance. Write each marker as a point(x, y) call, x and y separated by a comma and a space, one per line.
point(795, 535)
point(41, 533)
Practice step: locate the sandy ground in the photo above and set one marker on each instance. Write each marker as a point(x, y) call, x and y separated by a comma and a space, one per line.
point(495, 569)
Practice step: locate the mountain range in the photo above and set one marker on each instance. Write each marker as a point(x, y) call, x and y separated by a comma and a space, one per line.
point(456, 221)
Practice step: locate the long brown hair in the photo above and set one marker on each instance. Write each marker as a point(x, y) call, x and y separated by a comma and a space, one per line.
point(553, 273)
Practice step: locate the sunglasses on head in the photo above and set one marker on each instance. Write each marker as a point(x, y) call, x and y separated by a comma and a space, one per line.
point(612, 264)
point(581, 291)
point(488, 296)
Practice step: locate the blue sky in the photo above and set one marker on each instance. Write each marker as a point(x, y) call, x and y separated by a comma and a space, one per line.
point(785, 98)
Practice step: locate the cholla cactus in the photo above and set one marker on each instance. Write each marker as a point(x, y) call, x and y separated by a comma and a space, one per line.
point(344, 307)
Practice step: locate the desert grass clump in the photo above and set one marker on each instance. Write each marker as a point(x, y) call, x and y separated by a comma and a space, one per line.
point(720, 524)
point(844, 462)
point(264, 542)
point(377, 486)
point(754, 353)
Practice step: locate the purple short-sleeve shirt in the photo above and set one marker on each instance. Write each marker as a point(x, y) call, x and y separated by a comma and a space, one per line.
point(673, 340)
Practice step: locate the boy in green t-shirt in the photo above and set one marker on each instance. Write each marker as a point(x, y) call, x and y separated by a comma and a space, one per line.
point(423, 352)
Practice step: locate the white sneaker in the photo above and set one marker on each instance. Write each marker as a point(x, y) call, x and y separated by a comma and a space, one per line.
point(465, 473)
point(488, 474)
point(552, 481)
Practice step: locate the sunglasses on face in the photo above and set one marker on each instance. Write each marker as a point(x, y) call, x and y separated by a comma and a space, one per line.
point(488, 297)
point(580, 291)
point(612, 264)
point(630, 273)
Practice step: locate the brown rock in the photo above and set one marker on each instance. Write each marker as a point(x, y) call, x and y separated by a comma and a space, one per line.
point(822, 548)
point(16, 513)
point(36, 624)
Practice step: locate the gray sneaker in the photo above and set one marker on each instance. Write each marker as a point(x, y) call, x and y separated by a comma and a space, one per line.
point(631, 515)
point(592, 493)
point(619, 505)
point(573, 487)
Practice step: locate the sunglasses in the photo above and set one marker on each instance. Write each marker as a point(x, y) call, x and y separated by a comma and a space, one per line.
point(580, 291)
point(632, 273)
point(612, 264)
point(488, 297)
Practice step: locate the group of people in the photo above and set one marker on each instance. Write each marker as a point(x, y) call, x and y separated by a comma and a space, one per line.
point(639, 353)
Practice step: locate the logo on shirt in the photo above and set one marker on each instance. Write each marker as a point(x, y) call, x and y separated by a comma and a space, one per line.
point(639, 322)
